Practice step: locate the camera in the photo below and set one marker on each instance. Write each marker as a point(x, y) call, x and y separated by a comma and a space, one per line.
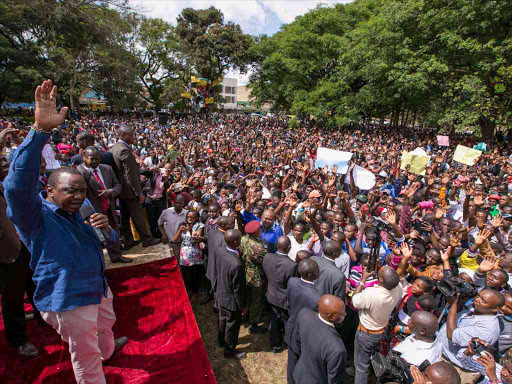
point(381, 225)
point(451, 285)
point(394, 367)
point(478, 347)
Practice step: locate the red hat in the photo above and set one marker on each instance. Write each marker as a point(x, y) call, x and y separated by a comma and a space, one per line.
point(494, 197)
point(252, 227)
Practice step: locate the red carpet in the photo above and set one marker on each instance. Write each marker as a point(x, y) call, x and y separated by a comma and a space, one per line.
point(153, 310)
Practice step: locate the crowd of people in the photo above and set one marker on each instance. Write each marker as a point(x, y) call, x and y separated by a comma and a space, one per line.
point(412, 273)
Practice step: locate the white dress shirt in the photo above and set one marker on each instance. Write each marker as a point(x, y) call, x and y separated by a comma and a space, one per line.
point(415, 351)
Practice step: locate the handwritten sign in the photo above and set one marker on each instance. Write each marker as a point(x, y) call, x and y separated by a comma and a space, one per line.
point(466, 155)
point(443, 141)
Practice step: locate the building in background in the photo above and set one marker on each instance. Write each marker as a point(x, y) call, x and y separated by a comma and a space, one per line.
point(229, 93)
point(245, 102)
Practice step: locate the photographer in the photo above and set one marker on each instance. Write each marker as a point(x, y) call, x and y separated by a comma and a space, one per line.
point(375, 305)
point(438, 373)
point(485, 364)
point(481, 322)
point(422, 344)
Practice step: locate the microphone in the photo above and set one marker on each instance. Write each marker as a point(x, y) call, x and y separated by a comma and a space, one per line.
point(86, 211)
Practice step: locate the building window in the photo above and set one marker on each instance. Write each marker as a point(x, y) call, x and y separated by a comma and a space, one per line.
point(233, 91)
point(227, 90)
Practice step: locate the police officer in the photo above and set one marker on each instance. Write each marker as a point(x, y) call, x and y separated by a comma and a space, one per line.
point(252, 251)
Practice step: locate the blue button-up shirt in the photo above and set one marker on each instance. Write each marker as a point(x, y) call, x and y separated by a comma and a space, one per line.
point(268, 236)
point(67, 256)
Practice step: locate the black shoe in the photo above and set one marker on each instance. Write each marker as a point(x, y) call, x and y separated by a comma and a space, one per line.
point(235, 355)
point(256, 329)
point(119, 344)
point(206, 300)
point(122, 259)
point(278, 349)
point(27, 350)
point(151, 243)
point(29, 316)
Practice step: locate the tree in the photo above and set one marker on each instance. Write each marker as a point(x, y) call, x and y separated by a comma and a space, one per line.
point(443, 63)
point(210, 46)
point(159, 61)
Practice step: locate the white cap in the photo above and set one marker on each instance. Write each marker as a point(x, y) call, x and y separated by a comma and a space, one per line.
point(383, 174)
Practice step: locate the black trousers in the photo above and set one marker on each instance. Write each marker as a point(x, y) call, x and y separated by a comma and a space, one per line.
point(154, 209)
point(15, 280)
point(192, 276)
point(132, 208)
point(114, 252)
point(279, 316)
point(229, 328)
point(349, 327)
point(292, 362)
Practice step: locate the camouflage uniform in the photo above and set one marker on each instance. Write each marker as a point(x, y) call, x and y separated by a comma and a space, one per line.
point(252, 252)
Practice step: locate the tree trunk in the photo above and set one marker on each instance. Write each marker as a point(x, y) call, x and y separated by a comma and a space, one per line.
point(487, 127)
point(71, 101)
point(414, 119)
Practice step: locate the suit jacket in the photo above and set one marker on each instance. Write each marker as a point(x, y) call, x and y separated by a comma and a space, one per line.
point(331, 280)
point(278, 268)
point(93, 188)
point(129, 171)
point(300, 295)
point(230, 292)
point(105, 158)
point(9, 241)
point(215, 240)
point(322, 353)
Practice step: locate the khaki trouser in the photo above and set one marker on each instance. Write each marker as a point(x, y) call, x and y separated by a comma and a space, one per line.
point(88, 331)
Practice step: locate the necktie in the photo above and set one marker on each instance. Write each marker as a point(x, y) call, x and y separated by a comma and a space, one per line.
point(105, 203)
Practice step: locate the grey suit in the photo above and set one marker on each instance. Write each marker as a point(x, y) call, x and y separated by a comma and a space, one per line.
point(300, 295)
point(331, 280)
point(129, 177)
point(231, 296)
point(93, 189)
point(322, 353)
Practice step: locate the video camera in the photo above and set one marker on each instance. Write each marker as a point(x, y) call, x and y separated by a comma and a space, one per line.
point(394, 367)
point(451, 285)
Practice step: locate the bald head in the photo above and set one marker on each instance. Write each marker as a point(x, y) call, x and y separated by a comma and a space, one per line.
point(232, 238)
point(332, 249)
point(284, 245)
point(424, 324)
point(332, 309)
point(388, 278)
point(302, 255)
point(308, 270)
point(442, 373)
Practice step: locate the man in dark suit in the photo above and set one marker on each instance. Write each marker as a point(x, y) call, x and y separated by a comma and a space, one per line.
point(301, 293)
point(15, 278)
point(322, 353)
point(102, 190)
point(230, 293)
point(85, 139)
point(279, 268)
point(131, 197)
point(331, 280)
point(215, 241)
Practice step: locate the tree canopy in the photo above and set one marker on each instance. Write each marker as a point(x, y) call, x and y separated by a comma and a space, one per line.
point(435, 62)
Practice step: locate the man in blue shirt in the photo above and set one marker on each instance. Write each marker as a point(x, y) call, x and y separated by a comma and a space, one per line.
point(270, 230)
point(67, 258)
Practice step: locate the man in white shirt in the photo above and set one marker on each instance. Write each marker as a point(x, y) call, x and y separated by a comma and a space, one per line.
point(375, 305)
point(169, 222)
point(51, 159)
point(422, 344)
